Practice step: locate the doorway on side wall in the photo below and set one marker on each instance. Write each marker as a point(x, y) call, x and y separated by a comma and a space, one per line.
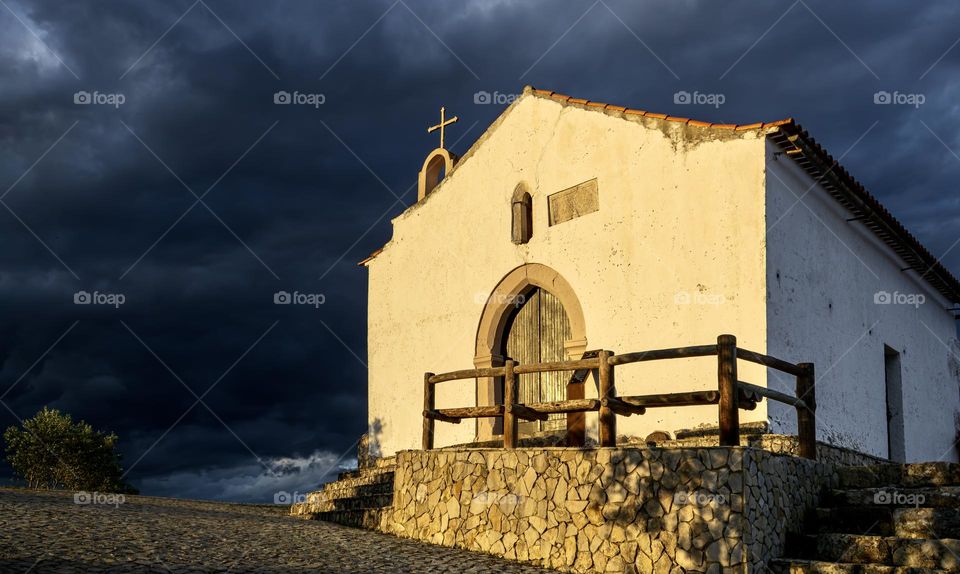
point(535, 333)
point(892, 374)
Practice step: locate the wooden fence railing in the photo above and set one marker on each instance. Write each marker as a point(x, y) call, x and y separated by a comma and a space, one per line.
point(731, 394)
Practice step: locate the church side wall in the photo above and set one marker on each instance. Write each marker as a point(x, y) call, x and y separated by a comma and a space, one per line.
point(836, 297)
point(673, 257)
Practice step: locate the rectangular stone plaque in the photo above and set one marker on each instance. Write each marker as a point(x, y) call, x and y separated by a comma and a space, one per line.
point(573, 202)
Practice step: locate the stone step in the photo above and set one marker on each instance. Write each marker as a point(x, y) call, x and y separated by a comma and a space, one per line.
point(366, 472)
point(367, 518)
point(355, 503)
point(889, 551)
point(365, 480)
point(334, 490)
point(897, 497)
point(347, 474)
point(901, 475)
point(890, 521)
point(788, 566)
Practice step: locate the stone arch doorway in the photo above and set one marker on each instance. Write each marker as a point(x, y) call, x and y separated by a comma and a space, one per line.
point(500, 310)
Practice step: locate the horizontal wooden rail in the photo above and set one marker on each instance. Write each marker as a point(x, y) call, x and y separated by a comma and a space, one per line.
point(568, 406)
point(773, 395)
point(557, 366)
point(467, 374)
point(731, 396)
point(472, 412)
point(674, 399)
point(526, 413)
point(769, 361)
point(622, 407)
point(439, 415)
point(660, 354)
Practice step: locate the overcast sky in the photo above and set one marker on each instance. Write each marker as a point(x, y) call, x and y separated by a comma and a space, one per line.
point(183, 187)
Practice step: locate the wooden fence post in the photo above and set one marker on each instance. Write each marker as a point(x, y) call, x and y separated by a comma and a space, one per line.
point(429, 400)
point(727, 379)
point(806, 417)
point(576, 422)
point(510, 392)
point(608, 418)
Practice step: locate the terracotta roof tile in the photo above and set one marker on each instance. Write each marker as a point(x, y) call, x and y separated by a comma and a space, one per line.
point(370, 258)
point(634, 112)
point(778, 123)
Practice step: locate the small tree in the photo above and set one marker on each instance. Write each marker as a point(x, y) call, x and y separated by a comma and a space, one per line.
point(51, 451)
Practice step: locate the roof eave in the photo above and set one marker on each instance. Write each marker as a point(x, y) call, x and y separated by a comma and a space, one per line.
point(850, 193)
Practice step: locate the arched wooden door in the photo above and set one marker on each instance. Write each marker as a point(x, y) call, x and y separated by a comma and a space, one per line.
point(536, 333)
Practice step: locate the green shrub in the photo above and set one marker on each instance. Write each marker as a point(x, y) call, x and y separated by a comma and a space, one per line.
point(51, 451)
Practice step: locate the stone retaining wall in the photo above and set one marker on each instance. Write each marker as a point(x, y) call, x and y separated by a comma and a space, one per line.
point(782, 444)
point(710, 510)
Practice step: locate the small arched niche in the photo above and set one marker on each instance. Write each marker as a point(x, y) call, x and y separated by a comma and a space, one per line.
point(521, 215)
point(437, 165)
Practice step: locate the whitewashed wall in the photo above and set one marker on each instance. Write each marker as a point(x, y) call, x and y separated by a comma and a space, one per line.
point(680, 213)
point(822, 276)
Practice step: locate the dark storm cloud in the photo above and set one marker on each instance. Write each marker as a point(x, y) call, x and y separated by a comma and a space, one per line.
point(297, 195)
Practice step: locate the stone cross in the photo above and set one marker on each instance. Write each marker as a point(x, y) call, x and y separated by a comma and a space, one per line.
point(443, 123)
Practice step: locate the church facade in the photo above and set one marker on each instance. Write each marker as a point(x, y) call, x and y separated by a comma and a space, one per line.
point(572, 226)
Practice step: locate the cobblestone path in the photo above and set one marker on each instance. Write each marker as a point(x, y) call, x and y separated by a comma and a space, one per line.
point(49, 532)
